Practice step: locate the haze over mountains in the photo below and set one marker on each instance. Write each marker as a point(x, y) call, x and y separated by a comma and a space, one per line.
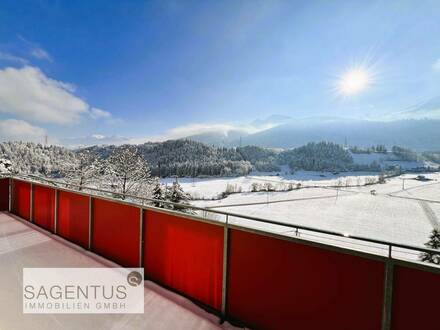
point(286, 132)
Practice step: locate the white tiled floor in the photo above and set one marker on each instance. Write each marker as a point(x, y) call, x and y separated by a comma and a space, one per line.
point(23, 245)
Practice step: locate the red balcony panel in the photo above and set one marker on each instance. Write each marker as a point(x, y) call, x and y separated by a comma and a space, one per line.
point(415, 299)
point(277, 284)
point(116, 232)
point(21, 199)
point(73, 217)
point(4, 194)
point(44, 207)
point(185, 255)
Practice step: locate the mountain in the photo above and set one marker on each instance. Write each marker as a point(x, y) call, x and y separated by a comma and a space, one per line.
point(428, 109)
point(272, 120)
point(222, 139)
point(423, 134)
point(235, 134)
point(418, 134)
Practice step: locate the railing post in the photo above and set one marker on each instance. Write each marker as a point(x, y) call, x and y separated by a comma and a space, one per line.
point(55, 211)
point(90, 221)
point(388, 291)
point(10, 195)
point(141, 237)
point(225, 267)
point(31, 206)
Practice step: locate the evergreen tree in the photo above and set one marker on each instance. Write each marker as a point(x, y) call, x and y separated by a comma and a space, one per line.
point(37, 159)
point(176, 194)
point(433, 243)
point(5, 166)
point(158, 193)
point(322, 156)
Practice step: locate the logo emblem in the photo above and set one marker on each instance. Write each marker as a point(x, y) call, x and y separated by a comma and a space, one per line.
point(134, 278)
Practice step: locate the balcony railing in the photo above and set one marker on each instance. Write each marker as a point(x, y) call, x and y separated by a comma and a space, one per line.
point(249, 276)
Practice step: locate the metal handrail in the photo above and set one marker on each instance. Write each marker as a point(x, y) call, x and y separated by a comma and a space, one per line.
point(231, 214)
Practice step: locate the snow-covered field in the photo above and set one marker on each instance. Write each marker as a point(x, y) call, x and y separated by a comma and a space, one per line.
point(390, 214)
point(209, 188)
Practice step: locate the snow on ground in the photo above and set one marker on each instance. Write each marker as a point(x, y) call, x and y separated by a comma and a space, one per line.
point(355, 211)
point(379, 217)
point(428, 190)
point(395, 184)
point(209, 188)
point(306, 194)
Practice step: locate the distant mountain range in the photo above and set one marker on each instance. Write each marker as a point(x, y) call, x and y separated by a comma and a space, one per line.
point(286, 132)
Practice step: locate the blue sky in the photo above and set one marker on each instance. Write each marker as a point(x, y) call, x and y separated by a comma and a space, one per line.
point(159, 69)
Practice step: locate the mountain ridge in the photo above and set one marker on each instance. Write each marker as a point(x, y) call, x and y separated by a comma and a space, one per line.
point(417, 134)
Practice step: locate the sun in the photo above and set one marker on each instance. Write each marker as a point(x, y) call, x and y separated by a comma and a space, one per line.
point(353, 81)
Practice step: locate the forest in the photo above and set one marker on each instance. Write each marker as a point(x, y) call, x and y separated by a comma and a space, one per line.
point(187, 158)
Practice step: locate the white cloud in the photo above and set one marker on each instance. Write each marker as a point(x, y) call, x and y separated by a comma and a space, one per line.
point(12, 58)
point(194, 129)
point(96, 113)
point(171, 134)
point(436, 65)
point(225, 129)
point(35, 50)
point(13, 129)
point(41, 54)
point(98, 136)
point(202, 128)
point(29, 94)
point(94, 139)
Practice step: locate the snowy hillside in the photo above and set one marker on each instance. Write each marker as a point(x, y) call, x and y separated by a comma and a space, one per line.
point(31, 158)
point(387, 160)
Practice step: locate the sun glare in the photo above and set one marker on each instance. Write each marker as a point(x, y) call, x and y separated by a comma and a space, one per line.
point(353, 81)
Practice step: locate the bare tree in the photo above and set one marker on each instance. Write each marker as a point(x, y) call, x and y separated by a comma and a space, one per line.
point(83, 170)
point(128, 173)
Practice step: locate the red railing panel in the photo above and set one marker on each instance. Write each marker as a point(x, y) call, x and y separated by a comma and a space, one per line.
point(415, 299)
point(277, 284)
point(73, 217)
point(4, 194)
point(21, 199)
point(116, 232)
point(43, 207)
point(185, 255)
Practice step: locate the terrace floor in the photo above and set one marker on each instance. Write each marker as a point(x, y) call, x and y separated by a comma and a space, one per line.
point(25, 245)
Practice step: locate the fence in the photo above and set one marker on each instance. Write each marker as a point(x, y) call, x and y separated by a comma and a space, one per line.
point(255, 278)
